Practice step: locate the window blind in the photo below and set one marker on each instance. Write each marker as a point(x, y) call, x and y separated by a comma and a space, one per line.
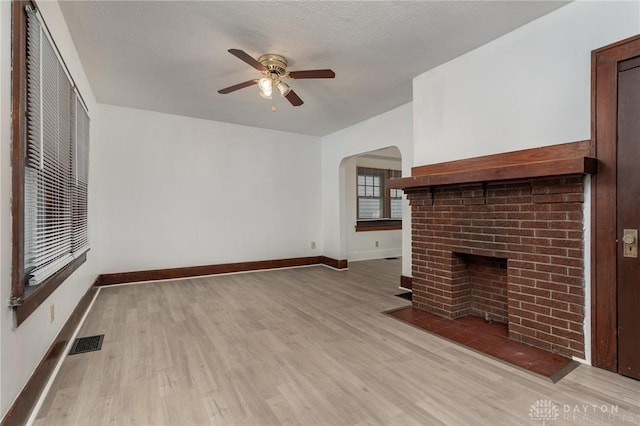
point(80, 144)
point(56, 164)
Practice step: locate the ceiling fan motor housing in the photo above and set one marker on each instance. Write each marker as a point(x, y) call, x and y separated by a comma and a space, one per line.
point(275, 64)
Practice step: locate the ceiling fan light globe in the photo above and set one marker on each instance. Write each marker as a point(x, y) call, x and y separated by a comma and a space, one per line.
point(266, 94)
point(283, 88)
point(265, 84)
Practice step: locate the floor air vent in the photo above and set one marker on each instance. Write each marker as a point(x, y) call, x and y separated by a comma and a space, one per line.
point(87, 344)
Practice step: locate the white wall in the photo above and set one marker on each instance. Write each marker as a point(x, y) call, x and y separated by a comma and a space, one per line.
point(23, 348)
point(393, 128)
point(178, 191)
point(526, 89)
point(529, 88)
point(362, 245)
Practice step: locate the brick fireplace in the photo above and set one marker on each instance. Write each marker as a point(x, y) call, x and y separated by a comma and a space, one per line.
point(501, 237)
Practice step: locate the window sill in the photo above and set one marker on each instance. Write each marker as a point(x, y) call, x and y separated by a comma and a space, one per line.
point(378, 225)
point(44, 290)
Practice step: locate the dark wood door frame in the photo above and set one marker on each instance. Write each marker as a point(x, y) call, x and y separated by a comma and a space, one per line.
point(604, 119)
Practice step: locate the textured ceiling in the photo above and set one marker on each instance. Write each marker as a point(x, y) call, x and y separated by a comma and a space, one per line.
point(171, 56)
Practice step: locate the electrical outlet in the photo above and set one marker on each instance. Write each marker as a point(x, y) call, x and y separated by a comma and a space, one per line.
point(313, 245)
point(52, 312)
point(377, 244)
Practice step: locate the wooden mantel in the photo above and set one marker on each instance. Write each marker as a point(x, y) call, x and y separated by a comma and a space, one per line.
point(555, 160)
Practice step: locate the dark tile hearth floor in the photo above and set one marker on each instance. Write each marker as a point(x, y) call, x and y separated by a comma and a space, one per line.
point(491, 339)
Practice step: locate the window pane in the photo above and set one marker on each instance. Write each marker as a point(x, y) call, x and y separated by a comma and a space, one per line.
point(380, 202)
point(396, 193)
point(396, 208)
point(369, 208)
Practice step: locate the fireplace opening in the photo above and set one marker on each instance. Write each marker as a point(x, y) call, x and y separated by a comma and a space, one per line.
point(485, 279)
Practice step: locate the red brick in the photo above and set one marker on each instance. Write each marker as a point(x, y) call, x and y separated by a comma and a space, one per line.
point(567, 297)
point(536, 325)
point(538, 258)
point(548, 199)
point(521, 264)
point(554, 287)
point(565, 279)
point(575, 244)
point(551, 233)
point(575, 253)
point(567, 261)
point(521, 232)
point(553, 251)
point(571, 335)
point(570, 316)
point(538, 309)
point(536, 241)
point(521, 297)
point(523, 281)
point(565, 224)
point(535, 275)
point(574, 235)
point(539, 224)
point(556, 269)
point(551, 321)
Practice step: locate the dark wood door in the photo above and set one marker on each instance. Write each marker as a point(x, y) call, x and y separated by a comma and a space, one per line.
point(628, 217)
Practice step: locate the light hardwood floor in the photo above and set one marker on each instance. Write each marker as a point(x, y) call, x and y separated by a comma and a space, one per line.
point(302, 346)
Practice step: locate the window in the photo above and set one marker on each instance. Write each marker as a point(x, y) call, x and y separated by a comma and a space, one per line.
point(50, 165)
point(378, 206)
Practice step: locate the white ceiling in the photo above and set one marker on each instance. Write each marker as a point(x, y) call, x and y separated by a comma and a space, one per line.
point(171, 56)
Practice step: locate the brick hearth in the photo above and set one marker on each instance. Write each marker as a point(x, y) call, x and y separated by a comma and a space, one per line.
point(512, 249)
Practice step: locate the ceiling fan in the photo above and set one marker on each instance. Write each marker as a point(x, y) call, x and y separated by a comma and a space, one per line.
point(274, 68)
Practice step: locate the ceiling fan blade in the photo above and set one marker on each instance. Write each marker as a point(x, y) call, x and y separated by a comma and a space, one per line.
point(244, 56)
point(312, 74)
point(293, 98)
point(237, 87)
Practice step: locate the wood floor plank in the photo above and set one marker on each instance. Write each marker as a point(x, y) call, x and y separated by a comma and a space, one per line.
point(305, 346)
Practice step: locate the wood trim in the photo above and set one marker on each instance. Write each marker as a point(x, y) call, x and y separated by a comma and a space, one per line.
point(24, 304)
point(604, 83)
point(406, 282)
point(18, 93)
point(612, 52)
point(555, 160)
point(44, 290)
point(382, 225)
point(533, 155)
point(560, 167)
point(195, 271)
point(19, 412)
point(334, 263)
